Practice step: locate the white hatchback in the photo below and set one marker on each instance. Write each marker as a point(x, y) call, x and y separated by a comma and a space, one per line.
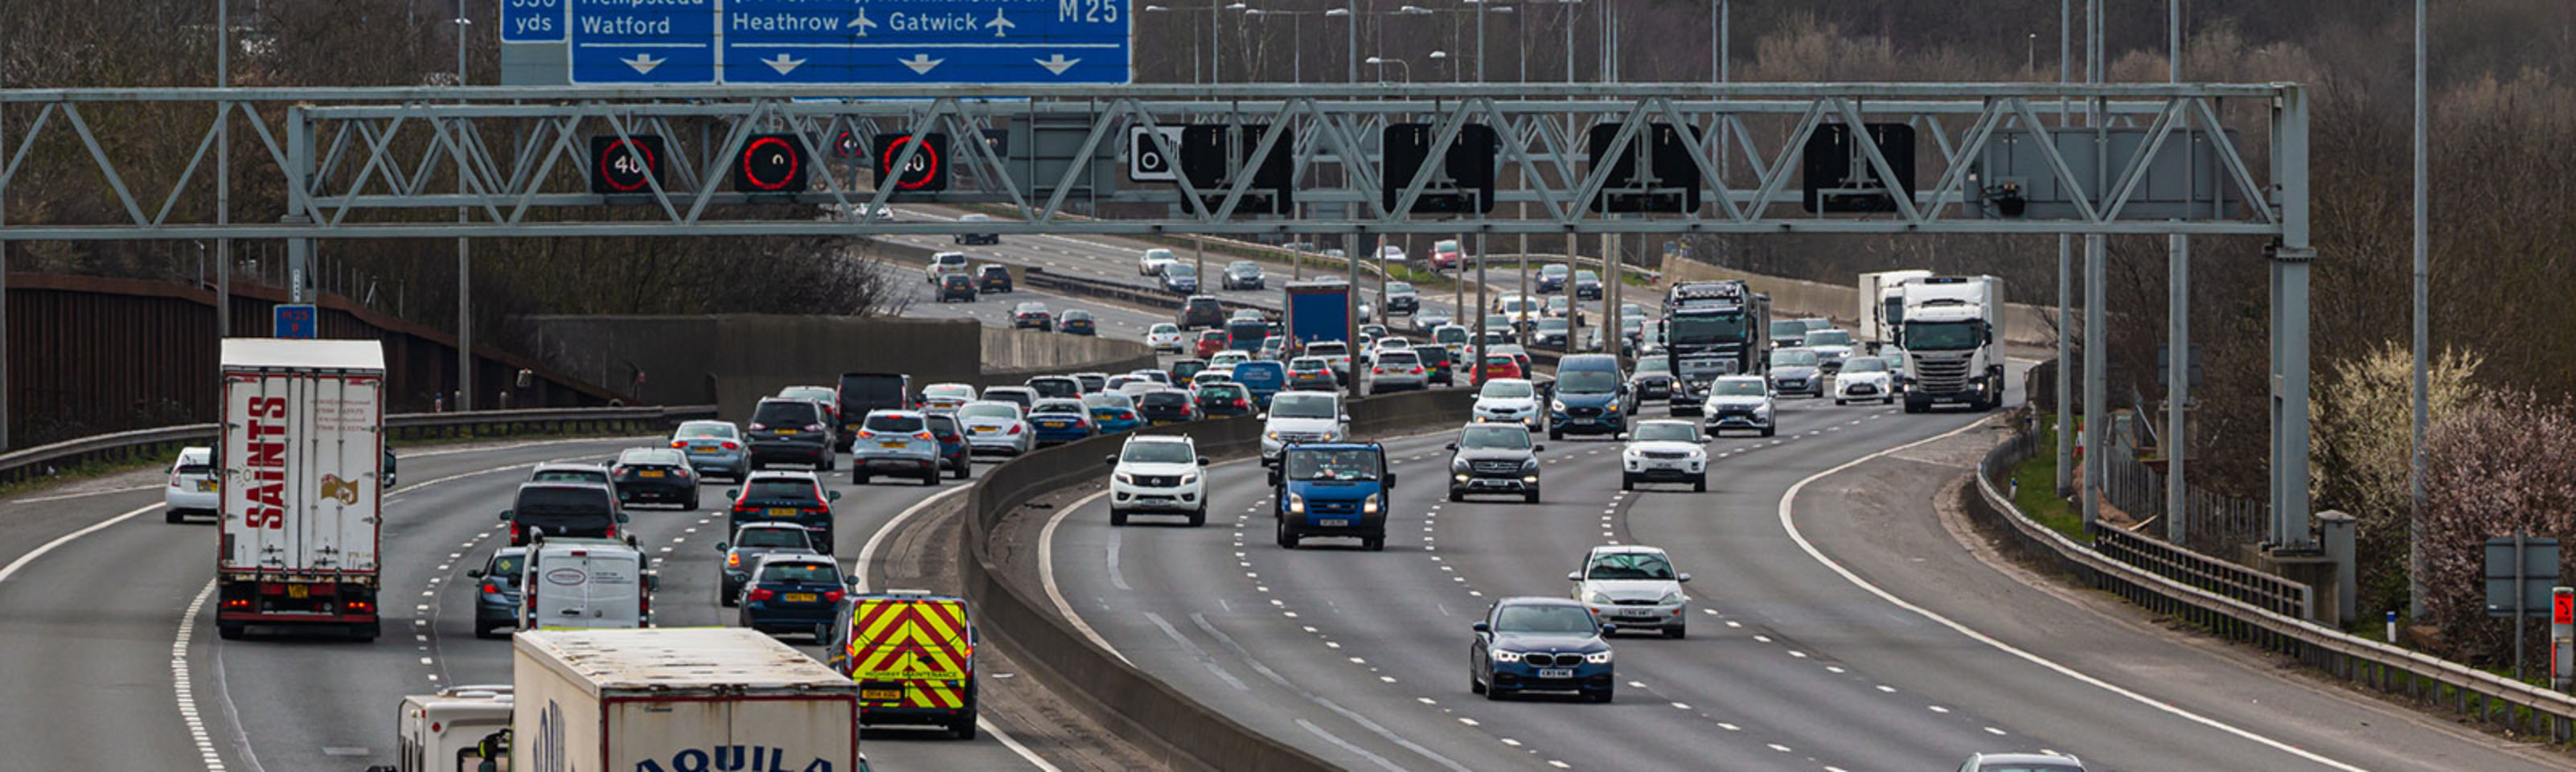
point(195, 485)
point(1164, 338)
point(1634, 587)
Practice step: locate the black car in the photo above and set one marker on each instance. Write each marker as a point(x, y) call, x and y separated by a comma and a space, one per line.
point(957, 287)
point(564, 509)
point(954, 453)
point(993, 278)
point(792, 594)
point(1032, 316)
point(496, 591)
point(744, 553)
point(789, 431)
point(1224, 400)
point(655, 476)
point(1168, 406)
point(863, 392)
point(1494, 458)
point(1201, 311)
point(1435, 361)
point(1077, 322)
point(1244, 275)
point(1182, 370)
point(1055, 387)
point(795, 498)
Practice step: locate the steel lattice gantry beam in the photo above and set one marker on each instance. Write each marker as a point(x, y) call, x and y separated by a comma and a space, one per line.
point(398, 162)
point(366, 163)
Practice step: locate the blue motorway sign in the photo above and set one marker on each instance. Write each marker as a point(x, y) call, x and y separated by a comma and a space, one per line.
point(294, 320)
point(849, 41)
point(643, 41)
point(532, 21)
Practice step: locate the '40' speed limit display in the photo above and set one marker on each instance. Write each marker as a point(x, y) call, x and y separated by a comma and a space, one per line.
point(626, 165)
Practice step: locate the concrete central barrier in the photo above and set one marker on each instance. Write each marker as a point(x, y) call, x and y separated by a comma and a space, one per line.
point(1181, 732)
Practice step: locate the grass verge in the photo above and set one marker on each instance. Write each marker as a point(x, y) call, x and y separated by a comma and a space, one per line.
point(2035, 488)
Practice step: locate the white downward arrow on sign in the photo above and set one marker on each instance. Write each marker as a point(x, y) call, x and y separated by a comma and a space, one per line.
point(1057, 64)
point(920, 63)
point(643, 63)
point(783, 64)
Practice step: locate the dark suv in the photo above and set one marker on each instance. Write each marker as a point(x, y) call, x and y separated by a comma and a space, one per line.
point(1168, 406)
point(564, 509)
point(1494, 458)
point(789, 431)
point(956, 286)
point(1201, 311)
point(794, 498)
point(993, 278)
point(863, 392)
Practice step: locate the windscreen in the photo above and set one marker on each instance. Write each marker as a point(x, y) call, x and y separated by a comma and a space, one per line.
point(815, 393)
point(1737, 388)
point(1941, 336)
point(506, 565)
point(989, 410)
point(1552, 269)
point(1158, 453)
point(1307, 363)
point(1449, 335)
point(1339, 464)
point(1654, 365)
point(1180, 269)
point(1165, 399)
point(1659, 431)
point(1543, 619)
point(1505, 389)
point(1057, 406)
point(1055, 387)
point(1398, 359)
point(871, 390)
point(1586, 381)
point(1220, 391)
point(1333, 349)
point(569, 475)
point(1495, 437)
point(1793, 357)
point(941, 425)
point(896, 423)
point(800, 573)
point(949, 391)
point(1162, 328)
point(1705, 329)
point(1077, 315)
point(771, 538)
point(1304, 406)
point(1829, 338)
point(1108, 401)
point(563, 501)
point(649, 456)
point(1398, 288)
point(1865, 365)
point(785, 414)
point(707, 429)
point(1789, 329)
point(1630, 565)
point(779, 490)
point(1553, 325)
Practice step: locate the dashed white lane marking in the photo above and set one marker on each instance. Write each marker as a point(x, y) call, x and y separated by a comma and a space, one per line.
point(184, 689)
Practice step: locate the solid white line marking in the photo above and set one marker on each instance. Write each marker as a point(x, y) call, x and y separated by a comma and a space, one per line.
point(85, 494)
point(1055, 593)
point(1789, 523)
point(1013, 743)
point(23, 560)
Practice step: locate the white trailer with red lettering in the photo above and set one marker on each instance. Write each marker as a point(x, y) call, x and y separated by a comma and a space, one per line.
point(302, 454)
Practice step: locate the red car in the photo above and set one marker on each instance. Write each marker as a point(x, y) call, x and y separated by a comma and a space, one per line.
point(1445, 255)
point(1212, 341)
point(1502, 366)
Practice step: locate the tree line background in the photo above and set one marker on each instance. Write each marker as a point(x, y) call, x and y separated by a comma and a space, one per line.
point(2504, 212)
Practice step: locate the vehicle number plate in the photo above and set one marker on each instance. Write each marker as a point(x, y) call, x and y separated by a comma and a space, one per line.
point(652, 473)
point(881, 694)
point(782, 512)
point(1334, 523)
point(983, 430)
point(800, 597)
point(1556, 672)
point(702, 449)
point(1052, 424)
point(205, 486)
point(298, 591)
point(897, 444)
point(786, 431)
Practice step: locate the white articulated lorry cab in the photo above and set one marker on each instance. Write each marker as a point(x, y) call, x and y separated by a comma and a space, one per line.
point(1882, 307)
point(302, 452)
point(677, 700)
point(1953, 339)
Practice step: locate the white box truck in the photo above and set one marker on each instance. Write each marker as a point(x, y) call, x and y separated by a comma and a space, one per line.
point(1882, 307)
point(1952, 334)
point(675, 700)
point(302, 450)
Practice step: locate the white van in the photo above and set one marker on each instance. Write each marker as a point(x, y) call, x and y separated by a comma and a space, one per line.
point(584, 583)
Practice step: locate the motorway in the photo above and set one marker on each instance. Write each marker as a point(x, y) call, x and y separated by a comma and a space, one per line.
point(1362, 658)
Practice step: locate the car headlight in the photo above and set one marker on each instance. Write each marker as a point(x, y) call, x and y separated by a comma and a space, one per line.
point(1189, 478)
point(1369, 506)
point(1696, 454)
point(1671, 597)
point(1459, 465)
point(1124, 478)
point(1529, 465)
point(1613, 407)
point(1598, 658)
point(1271, 435)
point(1556, 405)
point(1461, 476)
point(1597, 598)
point(1505, 656)
point(1296, 504)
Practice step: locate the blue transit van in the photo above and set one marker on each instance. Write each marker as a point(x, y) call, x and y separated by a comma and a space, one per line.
point(1263, 377)
point(1591, 397)
point(1332, 489)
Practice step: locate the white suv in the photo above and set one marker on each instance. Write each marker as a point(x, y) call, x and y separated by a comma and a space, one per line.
point(1158, 474)
point(1152, 261)
point(1634, 587)
point(945, 263)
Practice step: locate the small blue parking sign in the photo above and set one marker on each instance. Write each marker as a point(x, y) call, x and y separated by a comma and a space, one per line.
point(296, 320)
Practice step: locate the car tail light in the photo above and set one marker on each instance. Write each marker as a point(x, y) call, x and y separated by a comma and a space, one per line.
point(514, 531)
point(174, 479)
point(867, 435)
point(1417, 371)
point(923, 436)
point(757, 426)
point(612, 530)
point(1378, 370)
point(758, 594)
point(362, 606)
point(680, 470)
point(1015, 428)
point(813, 427)
point(237, 603)
point(729, 445)
point(832, 597)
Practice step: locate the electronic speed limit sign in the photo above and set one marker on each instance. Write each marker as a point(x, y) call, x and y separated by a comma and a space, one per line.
point(1145, 159)
point(925, 172)
point(770, 163)
point(625, 165)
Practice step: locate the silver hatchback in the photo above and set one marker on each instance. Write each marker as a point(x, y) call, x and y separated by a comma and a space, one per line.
point(994, 426)
point(895, 442)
